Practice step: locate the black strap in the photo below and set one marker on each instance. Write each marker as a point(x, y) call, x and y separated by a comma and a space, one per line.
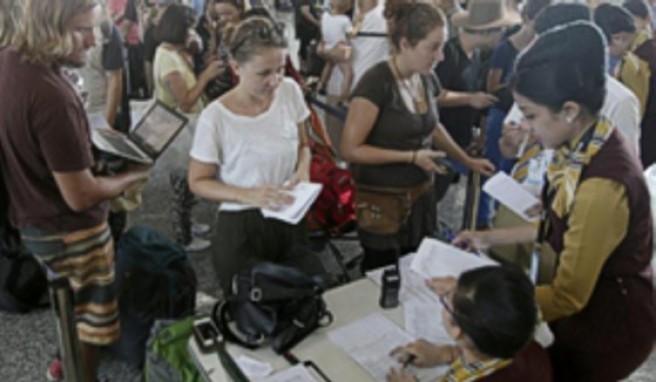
point(335, 112)
point(372, 34)
point(312, 365)
point(547, 197)
point(229, 364)
point(221, 320)
point(293, 360)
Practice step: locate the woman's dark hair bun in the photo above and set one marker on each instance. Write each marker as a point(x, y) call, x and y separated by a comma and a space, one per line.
point(566, 63)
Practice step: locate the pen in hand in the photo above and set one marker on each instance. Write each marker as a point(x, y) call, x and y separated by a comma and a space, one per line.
point(411, 358)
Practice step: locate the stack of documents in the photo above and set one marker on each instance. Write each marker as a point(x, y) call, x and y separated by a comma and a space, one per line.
point(437, 259)
point(370, 341)
point(423, 318)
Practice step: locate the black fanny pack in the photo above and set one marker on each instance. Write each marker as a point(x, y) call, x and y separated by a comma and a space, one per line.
point(272, 304)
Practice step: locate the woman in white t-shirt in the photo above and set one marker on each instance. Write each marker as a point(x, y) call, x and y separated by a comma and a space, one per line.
point(249, 146)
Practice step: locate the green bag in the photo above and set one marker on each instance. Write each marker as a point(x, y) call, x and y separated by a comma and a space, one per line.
point(167, 357)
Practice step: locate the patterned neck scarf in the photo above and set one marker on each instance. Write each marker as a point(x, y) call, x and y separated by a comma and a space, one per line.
point(568, 162)
point(643, 37)
point(459, 372)
point(520, 172)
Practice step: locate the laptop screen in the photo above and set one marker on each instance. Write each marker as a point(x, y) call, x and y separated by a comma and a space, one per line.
point(157, 128)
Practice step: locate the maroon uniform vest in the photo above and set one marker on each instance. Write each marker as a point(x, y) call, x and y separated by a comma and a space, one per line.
point(615, 331)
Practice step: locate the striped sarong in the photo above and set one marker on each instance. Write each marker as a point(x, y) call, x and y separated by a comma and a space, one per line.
point(86, 258)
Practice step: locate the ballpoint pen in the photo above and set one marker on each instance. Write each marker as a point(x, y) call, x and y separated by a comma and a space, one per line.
point(411, 358)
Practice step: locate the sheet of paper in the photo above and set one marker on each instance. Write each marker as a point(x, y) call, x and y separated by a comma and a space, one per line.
point(254, 368)
point(437, 259)
point(424, 321)
point(511, 194)
point(298, 373)
point(413, 284)
point(369, 342)
point(304, 196)
point(98, 121)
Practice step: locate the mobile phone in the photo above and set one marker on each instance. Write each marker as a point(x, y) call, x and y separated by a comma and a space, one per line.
point(206, 334)
point(443, 164)
point(391, 288)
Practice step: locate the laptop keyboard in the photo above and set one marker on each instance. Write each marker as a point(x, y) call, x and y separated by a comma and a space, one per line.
point(119, 143)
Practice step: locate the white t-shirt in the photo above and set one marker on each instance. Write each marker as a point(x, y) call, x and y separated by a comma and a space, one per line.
point(95, 81)
point(252, 151)
point(334, 29)
point(367, 51)
point(621, 108)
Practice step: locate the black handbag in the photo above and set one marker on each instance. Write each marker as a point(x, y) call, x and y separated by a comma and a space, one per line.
point(272, 304)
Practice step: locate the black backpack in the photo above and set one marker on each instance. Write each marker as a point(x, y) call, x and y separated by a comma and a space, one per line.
point(154, 281)
point(23, 285)
point(272, 304)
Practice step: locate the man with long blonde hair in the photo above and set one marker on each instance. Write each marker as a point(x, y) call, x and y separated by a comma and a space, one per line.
point(56, 200)
point(9, 13)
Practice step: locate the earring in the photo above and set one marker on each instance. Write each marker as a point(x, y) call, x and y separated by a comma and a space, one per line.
point(569, 120)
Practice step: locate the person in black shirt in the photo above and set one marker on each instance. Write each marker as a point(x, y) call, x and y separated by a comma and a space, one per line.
point(501, 69)
point(137, 85)
point(465, 59)
point(307, 25)
point(218, 14)
point(462, 73)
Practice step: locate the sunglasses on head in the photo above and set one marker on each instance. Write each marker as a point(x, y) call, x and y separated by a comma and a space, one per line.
point(485, 32)
point(262, 33)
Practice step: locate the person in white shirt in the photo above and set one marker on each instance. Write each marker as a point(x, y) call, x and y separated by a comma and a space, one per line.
point(369, 43)
point(249, 147)
point(336, 28)
point(103, 75)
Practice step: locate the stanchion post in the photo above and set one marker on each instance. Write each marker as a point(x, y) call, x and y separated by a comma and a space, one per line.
point(61, 297)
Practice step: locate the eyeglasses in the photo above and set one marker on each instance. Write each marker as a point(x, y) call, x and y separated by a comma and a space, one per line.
point(263, 34)
point(445, 304)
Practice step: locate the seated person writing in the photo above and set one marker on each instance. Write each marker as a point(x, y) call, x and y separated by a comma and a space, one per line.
point(491, 315)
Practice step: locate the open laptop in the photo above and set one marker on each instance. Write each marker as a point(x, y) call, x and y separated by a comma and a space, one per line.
point(156, 129)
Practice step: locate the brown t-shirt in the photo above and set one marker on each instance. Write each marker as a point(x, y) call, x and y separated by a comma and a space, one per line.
point(43, 129)
point(396, 127)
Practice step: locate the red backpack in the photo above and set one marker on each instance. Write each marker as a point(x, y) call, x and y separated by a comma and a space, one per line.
point(334, 210)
